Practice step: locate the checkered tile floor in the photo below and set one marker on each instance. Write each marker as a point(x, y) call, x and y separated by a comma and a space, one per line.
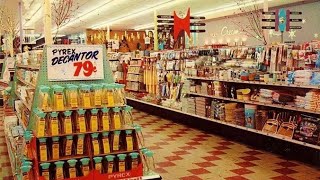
point(189, 154)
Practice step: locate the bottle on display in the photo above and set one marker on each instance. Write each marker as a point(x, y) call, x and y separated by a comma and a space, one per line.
point(150, 161)
point(72, 171)
point(45, 170)
point(119, 96)
point(110, 163)
point(43, 149)
point(95, 143)
point(85, 95)
point(139, 134)
point(98, 164)
point(55, 148)
point(67, 123)
point(96, 97)
point(44, 98)
point(127, 115)
point(41, 123)
point(58, 98)
point(121, 162)
point(116, 118)
point(134, 160)
point(80, 143)
point(129, 140)
point(81, 121)
point(94, 120)
point(85, 169)
point(144, 160)
point(59, 170)
point(25, 172)
point(27, 137)
point(105, 94)
point(72, 96)
point(110, 94)
point(105, 142)
point(105, 119)
point(68, 145)
point(116, 141)
point(54, 124)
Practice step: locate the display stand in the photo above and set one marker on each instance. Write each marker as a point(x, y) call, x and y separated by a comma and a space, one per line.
point(97, 143)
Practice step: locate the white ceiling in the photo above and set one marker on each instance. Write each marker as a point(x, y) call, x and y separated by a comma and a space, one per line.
point(127, 14)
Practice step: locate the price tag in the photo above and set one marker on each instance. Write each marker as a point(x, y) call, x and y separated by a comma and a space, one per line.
point(75, 62)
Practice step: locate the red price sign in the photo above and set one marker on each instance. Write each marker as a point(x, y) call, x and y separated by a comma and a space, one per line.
point(86, 67)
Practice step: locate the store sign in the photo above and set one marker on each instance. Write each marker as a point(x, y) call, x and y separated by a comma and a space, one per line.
point(66, 63)
point(225, 31)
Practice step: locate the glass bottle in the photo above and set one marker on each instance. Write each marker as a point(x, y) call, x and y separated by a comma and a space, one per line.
point(119, 94)
point(95, 144)
point(45, 171)
point(81, 121)
point(72, 168)
point(67, 123)
point(105, 142)
point(121, 162)
point(85, 96)
point(105, 119)
point(98, 164)
point(41, 123)
point(85, 169)
point(134, 160)
point(110, 164)
point(110, 94)
point(80, 144)
point(127, 116)
point(150, 161)
point(129, 140)
point(44, 100)
point(117, 122)
point(59, 170)
point(72, 96)
point(96, 95)
point(54, 124)
point(55, 148)
point(94, 120)
point(58, 98)
point(140, 137)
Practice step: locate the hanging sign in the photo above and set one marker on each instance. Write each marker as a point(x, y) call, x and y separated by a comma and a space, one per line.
point(66, 63)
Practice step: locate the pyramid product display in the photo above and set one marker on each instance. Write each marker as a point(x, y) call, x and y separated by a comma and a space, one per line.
point(79, 126)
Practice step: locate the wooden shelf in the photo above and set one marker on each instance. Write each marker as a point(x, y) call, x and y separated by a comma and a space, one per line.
point(232, 125)
point(287, 107)
point(30, 67)
point(283, 84)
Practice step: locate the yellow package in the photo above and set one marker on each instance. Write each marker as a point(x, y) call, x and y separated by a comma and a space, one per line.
point(58, 98)
point(54, 124)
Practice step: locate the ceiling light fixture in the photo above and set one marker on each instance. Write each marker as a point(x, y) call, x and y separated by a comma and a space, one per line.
point(138, 12)
point(145, 26)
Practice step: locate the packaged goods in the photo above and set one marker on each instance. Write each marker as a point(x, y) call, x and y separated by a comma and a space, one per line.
point(72, 168)
point(59, 170)
point(58, 98)
point(44, 98)
point(72, 96)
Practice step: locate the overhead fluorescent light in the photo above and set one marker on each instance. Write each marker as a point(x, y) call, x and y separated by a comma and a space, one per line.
point(145, 26)
point(229, 7)
point(138, 12)
point(92, 12)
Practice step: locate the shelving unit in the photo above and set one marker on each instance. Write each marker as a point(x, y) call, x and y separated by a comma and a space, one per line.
point(229, 124)
point(135, 76)
point(31, 123)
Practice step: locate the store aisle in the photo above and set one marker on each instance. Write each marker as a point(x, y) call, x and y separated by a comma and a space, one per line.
point(5, 167)
point(190, 154)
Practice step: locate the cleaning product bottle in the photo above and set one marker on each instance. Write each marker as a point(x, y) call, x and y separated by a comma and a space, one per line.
point(59, 170)
point(134, 160)
point(85, 169)
point(95, 144)
point(116, 141)
point(54, 124)
point(67, 122)
point(80, 143)
point(96, 99)
point(129, 140)
point(41, 123)
point(81, 121)
point(110, 163)
point(127, 116)
point(98, 164)
point(121, 162)
point(139, 134)
point(58, 98)
point(55, 148)
point(25, 172)
point(72, 168)
point(116, 118)
point(94, 120)
point(68, 145)
point(45, 170)
point(105, 142)
point(105, 119)
point(43, 149)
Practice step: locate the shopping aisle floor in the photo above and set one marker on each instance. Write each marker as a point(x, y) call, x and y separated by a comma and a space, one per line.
point(190, 154)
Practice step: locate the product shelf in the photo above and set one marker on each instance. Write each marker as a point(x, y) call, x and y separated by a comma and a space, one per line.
point(287, 107)
point(11, 157)
point(89, 132)
point(114, 153)
point(256, 82)
point(74, 109)
point(231, 125)
point(30, 67)
point(133, 73)
point(23, 101)
point(26, 83)
point(20, 121)
point(65, 158)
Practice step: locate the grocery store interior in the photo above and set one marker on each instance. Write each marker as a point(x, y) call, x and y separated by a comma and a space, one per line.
point(159, 89)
